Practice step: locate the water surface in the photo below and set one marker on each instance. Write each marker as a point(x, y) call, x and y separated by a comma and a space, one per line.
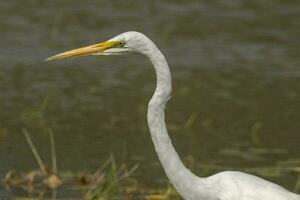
point(236, 74)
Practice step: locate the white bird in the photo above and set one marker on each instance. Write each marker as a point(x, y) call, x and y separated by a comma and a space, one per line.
point(227, 185)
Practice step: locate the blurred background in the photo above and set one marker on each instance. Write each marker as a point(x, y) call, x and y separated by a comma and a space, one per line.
point(236, 93)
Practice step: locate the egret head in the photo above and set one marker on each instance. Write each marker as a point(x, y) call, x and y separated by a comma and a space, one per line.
point(125, 43)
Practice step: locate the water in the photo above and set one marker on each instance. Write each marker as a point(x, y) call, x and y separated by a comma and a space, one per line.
point(236, 87)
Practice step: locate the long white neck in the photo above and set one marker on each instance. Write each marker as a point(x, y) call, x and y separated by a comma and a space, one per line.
point(178, 174)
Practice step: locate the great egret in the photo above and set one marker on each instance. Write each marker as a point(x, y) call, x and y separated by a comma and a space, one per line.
point(227, 185)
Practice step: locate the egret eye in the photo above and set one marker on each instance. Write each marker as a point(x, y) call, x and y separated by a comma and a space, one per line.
point(121, 44)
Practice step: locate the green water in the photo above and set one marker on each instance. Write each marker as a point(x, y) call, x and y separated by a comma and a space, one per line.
point(236, 93)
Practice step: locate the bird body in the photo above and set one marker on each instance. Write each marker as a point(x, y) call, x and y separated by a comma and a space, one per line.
point(228, 185)
point(235, 185)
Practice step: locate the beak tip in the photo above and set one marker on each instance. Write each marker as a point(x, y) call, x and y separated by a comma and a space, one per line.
point(51, 58)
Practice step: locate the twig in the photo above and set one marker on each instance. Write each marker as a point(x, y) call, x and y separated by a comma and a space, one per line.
point(113, 161)
point(128, 173)
point(297, 186)
point(101, 168)
point(53, 152)
point(53, 195)
point(34, 152)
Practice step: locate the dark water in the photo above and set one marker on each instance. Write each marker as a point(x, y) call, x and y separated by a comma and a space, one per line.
point(236, 94)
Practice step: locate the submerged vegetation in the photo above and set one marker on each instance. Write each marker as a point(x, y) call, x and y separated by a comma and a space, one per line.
point(109, 181)
point(117, 181)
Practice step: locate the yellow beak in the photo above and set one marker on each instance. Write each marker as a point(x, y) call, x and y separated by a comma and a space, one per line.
point(84, 51)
